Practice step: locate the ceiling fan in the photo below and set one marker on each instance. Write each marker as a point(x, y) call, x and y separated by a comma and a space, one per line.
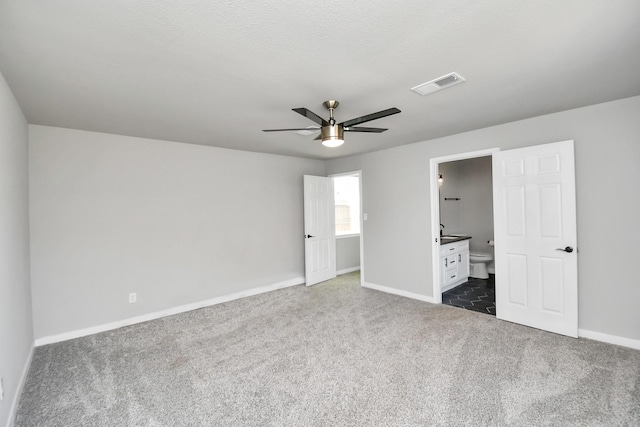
point(332, 133)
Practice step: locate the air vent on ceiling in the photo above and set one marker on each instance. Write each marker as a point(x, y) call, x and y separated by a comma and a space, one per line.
point(438, 84)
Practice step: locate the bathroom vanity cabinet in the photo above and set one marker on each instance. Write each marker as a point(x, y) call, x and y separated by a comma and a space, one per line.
point(454, 264)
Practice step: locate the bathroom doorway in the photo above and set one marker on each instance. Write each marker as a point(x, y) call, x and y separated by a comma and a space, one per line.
point(466, 212)
point(462, 207)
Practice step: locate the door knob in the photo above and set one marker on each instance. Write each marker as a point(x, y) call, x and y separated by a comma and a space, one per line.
point(568, 249)
point(308, 236)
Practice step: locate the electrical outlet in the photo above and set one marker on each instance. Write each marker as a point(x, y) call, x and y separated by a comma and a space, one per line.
point(1, 388)
point(133, 297)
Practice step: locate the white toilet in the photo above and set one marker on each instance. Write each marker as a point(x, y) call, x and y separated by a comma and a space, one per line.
point(479, 261)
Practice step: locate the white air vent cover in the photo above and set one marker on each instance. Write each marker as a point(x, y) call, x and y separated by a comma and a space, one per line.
point(439, 83)
point(311, 131)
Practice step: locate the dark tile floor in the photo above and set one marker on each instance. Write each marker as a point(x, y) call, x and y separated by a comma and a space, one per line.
point(476, 294)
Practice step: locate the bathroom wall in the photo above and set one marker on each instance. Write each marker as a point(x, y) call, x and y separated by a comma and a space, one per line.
point(476, 202)
point(469, 180)
point(450, 188)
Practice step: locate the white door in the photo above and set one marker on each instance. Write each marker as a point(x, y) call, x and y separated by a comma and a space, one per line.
point(319, 229)
point(535, 237)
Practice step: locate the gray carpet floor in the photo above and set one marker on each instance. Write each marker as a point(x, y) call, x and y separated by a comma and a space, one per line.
point(334, 354)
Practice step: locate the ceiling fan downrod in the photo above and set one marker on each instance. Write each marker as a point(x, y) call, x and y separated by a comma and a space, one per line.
point(332, 135)
point(331, 105)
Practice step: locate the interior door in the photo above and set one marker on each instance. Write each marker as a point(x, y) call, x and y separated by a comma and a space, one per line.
point(319, 229)
point(535, 237)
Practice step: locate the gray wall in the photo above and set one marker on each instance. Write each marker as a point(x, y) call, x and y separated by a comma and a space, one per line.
point(470, 180)
point(395, 182)
point(347, 253)
point(476, 202)
point(176, 223)
point(450, 188)
point(16, 330)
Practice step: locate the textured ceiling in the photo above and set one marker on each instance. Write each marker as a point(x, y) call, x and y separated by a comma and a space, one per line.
point(218, 72)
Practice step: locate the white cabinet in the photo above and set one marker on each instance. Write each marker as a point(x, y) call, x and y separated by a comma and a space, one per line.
point(463, 263)
point(454, 264)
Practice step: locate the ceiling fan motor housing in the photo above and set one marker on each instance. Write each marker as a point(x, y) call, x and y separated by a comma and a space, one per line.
point(332, 132)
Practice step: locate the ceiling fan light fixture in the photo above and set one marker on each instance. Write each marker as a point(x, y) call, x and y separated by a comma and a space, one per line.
point(332, 135)
point(332, 143)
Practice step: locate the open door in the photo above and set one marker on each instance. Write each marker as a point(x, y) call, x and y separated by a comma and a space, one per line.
point(535, 237)
point(319, 229)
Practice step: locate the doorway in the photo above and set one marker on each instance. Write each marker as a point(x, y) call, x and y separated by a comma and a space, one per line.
point(332, 226)
point(466, 212)
point(436, 211)
point(349, 224)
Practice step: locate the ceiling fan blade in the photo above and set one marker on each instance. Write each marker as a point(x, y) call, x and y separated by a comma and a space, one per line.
point(364, 129)
point(369, 117)
point(284, 130)
point(311, 115)
point(317, 138)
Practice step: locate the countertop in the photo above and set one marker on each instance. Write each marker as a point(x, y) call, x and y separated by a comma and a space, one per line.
point(452, 239)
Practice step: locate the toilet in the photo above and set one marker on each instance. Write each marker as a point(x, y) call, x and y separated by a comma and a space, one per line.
point(479, 261)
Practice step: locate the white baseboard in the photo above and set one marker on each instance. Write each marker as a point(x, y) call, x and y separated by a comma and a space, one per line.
point(16, 399)
point(347, 270)
point(397, 292)
point(583, 333)
point(168, 312)
point(611, 339)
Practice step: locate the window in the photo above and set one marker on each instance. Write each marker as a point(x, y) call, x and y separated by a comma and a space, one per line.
point(347, 201)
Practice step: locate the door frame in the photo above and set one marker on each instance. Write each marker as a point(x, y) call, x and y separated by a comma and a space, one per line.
point(435, 210)
point(359, 173)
